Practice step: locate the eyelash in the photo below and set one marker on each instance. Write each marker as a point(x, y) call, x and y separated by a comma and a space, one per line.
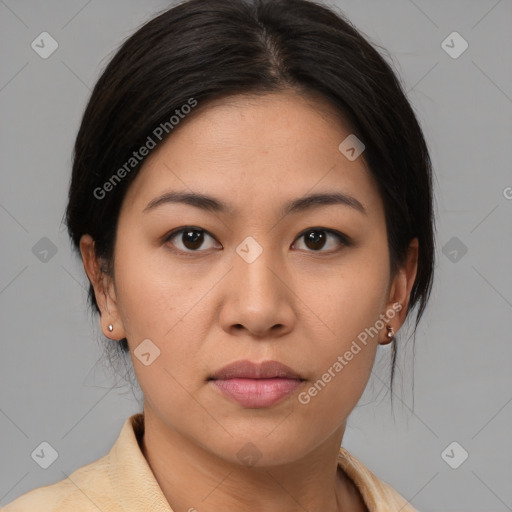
point(344, 239)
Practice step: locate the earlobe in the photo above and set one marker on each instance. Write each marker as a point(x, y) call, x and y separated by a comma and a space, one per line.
point(390, 335)
point(104, 292)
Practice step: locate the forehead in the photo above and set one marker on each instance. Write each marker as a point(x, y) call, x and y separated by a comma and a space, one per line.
point(255, 150)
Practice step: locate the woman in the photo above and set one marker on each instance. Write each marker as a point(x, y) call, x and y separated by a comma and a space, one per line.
point(251, 197)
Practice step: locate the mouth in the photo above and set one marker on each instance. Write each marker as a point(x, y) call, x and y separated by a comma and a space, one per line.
point(256, 385)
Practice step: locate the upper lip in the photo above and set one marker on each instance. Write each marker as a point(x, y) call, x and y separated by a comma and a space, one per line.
point(249, 370)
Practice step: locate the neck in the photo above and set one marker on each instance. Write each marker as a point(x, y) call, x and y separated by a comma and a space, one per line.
point(195, 478)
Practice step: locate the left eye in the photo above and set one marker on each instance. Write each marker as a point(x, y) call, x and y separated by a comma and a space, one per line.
point(316, 238)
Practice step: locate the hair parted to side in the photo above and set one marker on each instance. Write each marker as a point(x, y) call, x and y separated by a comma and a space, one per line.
point(205, 50)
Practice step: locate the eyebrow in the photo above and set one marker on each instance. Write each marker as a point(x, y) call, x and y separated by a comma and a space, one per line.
point(212, 204)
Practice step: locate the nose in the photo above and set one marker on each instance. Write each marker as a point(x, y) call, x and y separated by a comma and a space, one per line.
point(258, 298)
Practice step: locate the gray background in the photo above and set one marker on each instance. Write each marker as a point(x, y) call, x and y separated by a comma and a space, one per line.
point(54, 384)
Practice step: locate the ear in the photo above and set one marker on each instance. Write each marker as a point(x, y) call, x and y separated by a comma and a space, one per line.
point(401, 287)
point(104, 289)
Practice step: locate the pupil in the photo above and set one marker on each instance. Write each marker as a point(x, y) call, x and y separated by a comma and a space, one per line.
point(193, 238)
point(316, 238)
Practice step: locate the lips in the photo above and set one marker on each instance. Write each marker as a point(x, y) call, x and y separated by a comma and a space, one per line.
point(254, 385)
point(249, 370)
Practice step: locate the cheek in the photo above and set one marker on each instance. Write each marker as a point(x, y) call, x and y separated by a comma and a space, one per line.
point(352, 296)
point(342, 361)
point(145, 298)
point(149, 292)
point(350, 301)
point(161, 301)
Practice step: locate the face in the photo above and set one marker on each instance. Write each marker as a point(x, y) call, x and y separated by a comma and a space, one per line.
point(240, 277)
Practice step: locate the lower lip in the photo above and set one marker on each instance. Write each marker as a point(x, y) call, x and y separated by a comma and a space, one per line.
point(257, 392)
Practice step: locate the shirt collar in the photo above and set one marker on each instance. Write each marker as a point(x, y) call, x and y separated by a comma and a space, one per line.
point(133, 482)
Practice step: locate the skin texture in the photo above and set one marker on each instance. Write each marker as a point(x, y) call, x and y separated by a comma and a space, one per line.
point(297, 303)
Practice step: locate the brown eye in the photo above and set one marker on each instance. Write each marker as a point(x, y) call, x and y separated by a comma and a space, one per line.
point(191, 239)
point(316, 239)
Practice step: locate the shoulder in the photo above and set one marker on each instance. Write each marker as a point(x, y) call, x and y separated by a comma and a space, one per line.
point(104, 484)
point(84, 490)
point(378, 495)
point(392, 498)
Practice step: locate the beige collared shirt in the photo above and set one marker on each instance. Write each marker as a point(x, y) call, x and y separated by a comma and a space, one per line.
point(122, 481)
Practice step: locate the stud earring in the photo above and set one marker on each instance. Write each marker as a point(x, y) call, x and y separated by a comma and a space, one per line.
point(389, 335)
point(110, 328)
